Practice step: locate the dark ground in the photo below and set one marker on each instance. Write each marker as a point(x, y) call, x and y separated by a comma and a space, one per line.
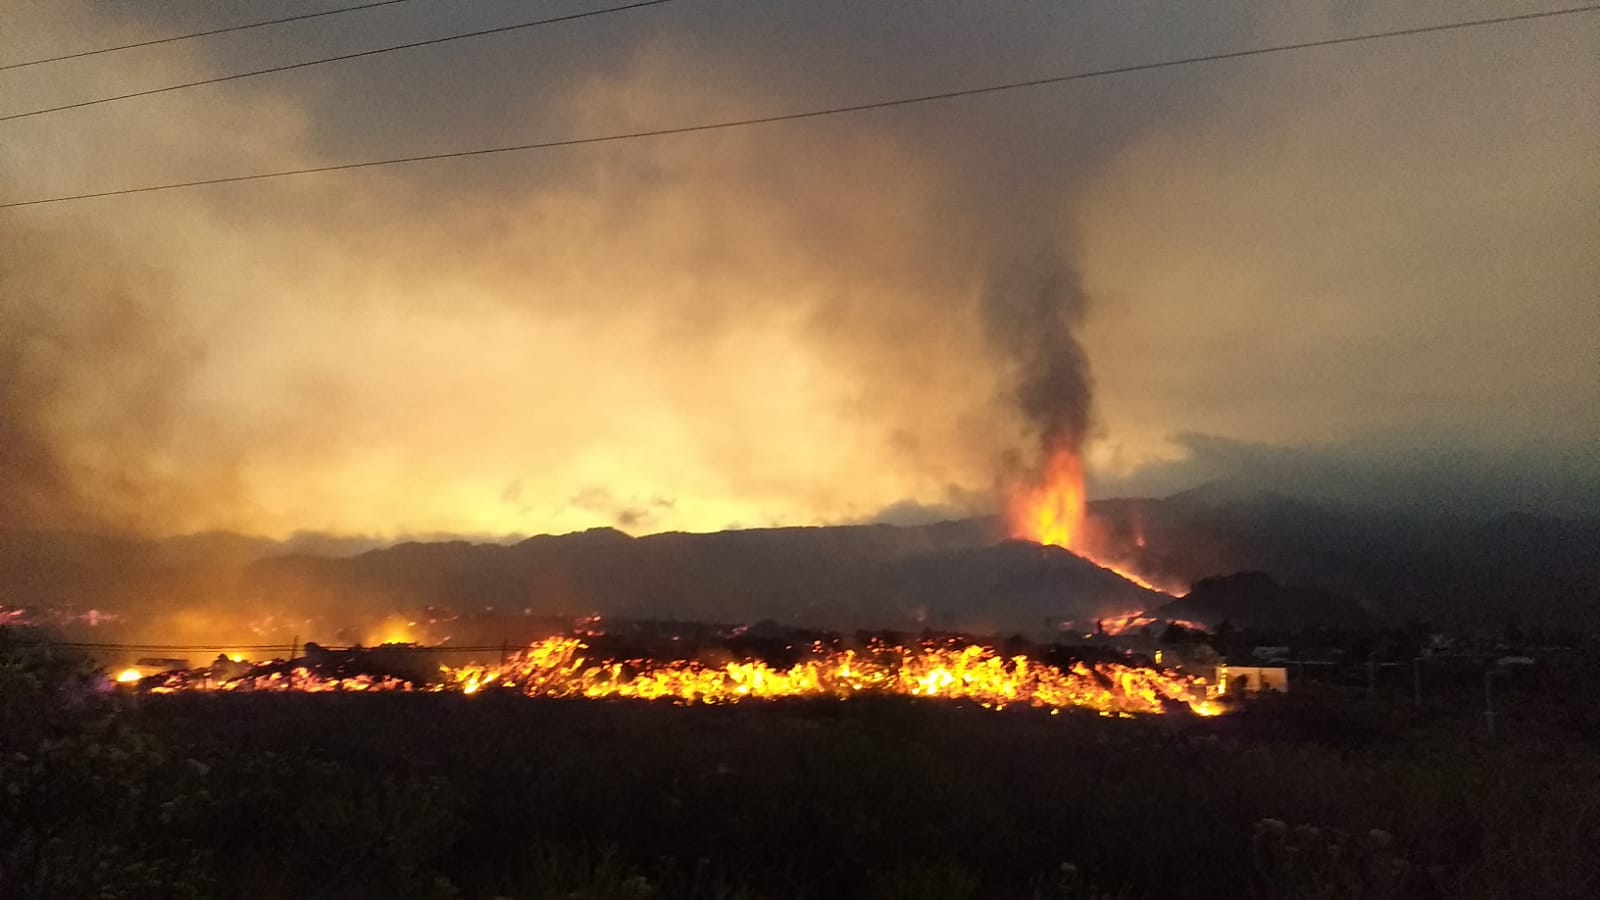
point(438, 796)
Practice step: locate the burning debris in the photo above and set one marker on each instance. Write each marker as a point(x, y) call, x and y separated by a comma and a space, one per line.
point(561, 667)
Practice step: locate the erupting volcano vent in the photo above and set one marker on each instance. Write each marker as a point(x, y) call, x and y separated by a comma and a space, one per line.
point(1033, 311)
point(559, 667)
point(1051, 513)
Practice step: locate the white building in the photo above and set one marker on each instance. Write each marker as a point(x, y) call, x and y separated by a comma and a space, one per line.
point(1252, 679)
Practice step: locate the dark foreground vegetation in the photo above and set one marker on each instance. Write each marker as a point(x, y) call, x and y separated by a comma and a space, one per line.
point(1323, 794)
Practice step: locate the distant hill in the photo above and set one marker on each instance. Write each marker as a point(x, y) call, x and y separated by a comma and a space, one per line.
point(1455, 571)
point(1255, 599)
point(951, 575)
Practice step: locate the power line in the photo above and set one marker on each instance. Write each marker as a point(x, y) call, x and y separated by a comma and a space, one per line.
point(197, 34)
point(817, 113)
point(328, 59)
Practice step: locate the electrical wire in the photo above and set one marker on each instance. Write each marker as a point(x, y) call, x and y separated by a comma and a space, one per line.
point(198, 34)
point(817, 113)
point(328, 59)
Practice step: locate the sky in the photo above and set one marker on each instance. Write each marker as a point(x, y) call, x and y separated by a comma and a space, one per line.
point(1364, 272)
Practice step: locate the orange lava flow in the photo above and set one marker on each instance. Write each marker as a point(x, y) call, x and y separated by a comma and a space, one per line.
point(558, 667)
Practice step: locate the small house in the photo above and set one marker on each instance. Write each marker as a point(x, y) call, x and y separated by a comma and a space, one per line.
point(1252, 679)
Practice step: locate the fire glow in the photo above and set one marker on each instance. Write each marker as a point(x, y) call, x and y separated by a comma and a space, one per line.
point(557, 667)
point(1052, 514)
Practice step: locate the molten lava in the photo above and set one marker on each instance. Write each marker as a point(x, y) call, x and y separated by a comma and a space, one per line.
point(1052, 513)
point(558, 667)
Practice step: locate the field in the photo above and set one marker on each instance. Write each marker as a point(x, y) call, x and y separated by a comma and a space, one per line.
point(1317, 795)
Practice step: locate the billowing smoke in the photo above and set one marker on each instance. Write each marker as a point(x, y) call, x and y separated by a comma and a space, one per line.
point(834, 320)
point(1032, 312)
point(738, 329)
point(798, 323)
point(91, 371)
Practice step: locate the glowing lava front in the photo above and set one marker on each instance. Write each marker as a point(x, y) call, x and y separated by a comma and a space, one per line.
point(561, 667)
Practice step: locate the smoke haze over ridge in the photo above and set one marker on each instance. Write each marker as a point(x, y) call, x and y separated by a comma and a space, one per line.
point(787, 324)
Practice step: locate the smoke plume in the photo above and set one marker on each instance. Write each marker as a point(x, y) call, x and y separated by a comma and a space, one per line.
point(91, 374)
point(1032, 313)
point(801, 322)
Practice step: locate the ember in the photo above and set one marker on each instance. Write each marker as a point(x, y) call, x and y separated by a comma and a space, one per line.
point(558, 667)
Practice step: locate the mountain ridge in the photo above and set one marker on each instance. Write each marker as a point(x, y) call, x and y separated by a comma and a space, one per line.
point(959, 573)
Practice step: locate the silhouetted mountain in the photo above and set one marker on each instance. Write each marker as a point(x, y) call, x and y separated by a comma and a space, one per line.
point(873, 576)
point(1011, 586)
point(1452, 570)
point(950, 575)
point(1255, 599)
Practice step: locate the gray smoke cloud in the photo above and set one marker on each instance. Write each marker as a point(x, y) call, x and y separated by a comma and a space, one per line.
point(1032, 312)
point(805, 322)
point(91, 366)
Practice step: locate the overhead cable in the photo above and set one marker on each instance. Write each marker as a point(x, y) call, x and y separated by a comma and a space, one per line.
point(199, 34)
point(148, 92)
point(814, 113)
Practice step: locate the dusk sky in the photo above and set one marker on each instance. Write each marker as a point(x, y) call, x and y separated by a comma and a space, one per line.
point(1367, 272)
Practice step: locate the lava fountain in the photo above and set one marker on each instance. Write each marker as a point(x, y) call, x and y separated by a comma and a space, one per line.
point(1052, 513)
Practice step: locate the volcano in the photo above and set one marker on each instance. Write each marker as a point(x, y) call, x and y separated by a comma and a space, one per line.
point(952, 576)
point(958, 575)
point(961, 576)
